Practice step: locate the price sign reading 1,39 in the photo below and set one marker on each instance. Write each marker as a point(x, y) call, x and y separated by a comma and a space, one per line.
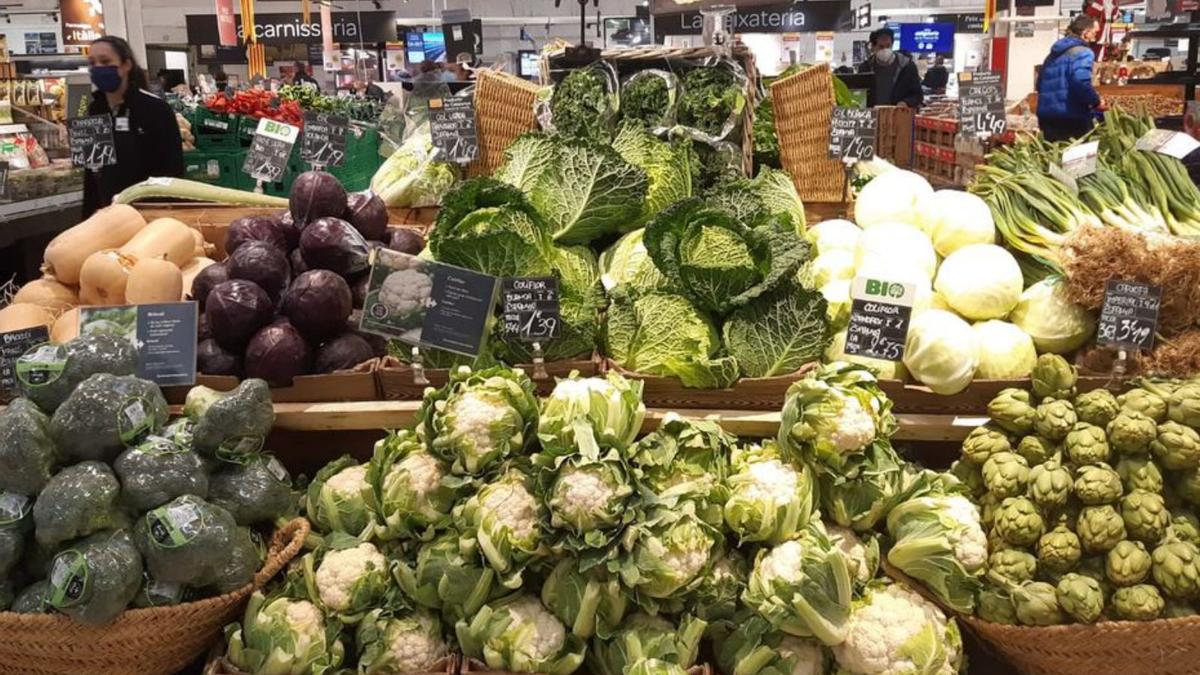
point(269, 152)
point(1129, 316)
point(92, 143)
point(852, 134)
point(981, 103)
point(880, 313)
point(530, 310)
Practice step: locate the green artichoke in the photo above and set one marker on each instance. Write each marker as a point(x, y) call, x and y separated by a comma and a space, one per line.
point(1145, 402)
point(996, 605)
point(1005, 474)
point(1176, 447)
point(983, 442)
point(1183, 405)
point(970, 475)
point(1100, 528)
point(1018, 522)
point(1035, 449)
point(1086, 444)
point(1059, 550)
point(1184, 527)
point(1097, 484)
point(1176, 569)
point(1053, 377)
point(1097, 407)
point(1146, 516)
point(1141, 473)
point(1037, 605)
point(1137, 603)
point(1092, 566)
point(1128, 563)
point(1178, 609)
point(1012, 411)
point(1131, 432)
point(1050, 485)
point(1187, 486)
point(1054, 419)
point(1080, 597)
point(1014, 564)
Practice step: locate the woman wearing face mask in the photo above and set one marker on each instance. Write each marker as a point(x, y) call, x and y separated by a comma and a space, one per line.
point(144, 129)
point(1067, 100)
point(896, 79)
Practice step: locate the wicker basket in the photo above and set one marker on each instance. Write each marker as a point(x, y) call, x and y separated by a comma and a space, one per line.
point(503, 111)
point(803, 112)
point(758, 393)
point(158, 641)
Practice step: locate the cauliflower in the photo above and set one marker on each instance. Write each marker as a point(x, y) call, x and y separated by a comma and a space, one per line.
point(306, 622)
point(511, 506)
point(423, 470)
point(518, 634)
point(772, 481)
point(810, 660)
point(406, 292)
point(347, 577)
point(415, 646)
point(854, 428)
point(859, 558)
point(547, 634)
point(581, 495)
point(968, 539)
point(349, 483)
point(830, 416)
point(784, 562)
point(939, 541)
point(473, 413)
point(284, 636)
point(894, 631)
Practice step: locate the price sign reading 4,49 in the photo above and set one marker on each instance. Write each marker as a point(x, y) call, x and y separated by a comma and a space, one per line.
point(879, 318)
point(92, 143)
point(852, 134)
point(530, 309)
point(981, 103)
point(1129, 316)
point(270, 150)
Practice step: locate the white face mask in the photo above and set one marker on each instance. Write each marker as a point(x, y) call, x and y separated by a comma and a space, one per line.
point(885, 55)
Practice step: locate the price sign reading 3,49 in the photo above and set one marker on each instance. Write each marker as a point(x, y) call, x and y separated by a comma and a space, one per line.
point(1129, 316)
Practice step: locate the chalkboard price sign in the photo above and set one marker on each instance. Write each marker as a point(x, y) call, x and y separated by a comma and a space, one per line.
point(880, 313)
point(270, 149)
point(852, 134)
point(1129, 315)
point(91, 141)
point(530, 310)
point(324, 138)
point(981, 103)
point(452, 125)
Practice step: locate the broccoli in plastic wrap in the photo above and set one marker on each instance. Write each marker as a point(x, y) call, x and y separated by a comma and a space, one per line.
point(94, 580)
point(259, 491)
point(155, 593)
point(105, 414)
point(15, 522)
point(27, 453)
point(49, 373)
point(246, 558)
point(33, 599)
point(78, 501)
point(158, 470)
point(233, 425)
point(186, 541)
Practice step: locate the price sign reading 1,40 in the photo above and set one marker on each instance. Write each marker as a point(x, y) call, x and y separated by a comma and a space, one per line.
point(852, 134)
point(1129, 316)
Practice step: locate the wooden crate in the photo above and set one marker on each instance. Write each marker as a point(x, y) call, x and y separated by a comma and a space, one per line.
point(764, 393)
point(357, 384)
point(894, 135)
point(397, 382)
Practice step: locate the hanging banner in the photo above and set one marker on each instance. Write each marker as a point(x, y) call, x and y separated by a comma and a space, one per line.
point(226, 23)
point(82, 22)
point(800, 17)
point(326, 31)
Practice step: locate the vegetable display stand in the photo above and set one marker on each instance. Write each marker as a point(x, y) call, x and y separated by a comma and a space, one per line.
point(762, 393)
point(218, 665)
point(215, 131)
point(479, 668)
point(803, 115)
point(158, 641)
point(503, 111)
point(357, 384)
point(396, 377)
point(908, 397)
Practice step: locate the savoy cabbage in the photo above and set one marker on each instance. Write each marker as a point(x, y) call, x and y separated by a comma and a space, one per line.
point(668, 165)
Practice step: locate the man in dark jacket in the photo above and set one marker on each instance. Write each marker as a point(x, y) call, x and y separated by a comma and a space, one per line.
point(896, 79)
point(937, 77)
point(1066, 98)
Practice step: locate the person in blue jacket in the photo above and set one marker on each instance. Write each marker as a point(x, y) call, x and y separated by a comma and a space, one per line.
point(1066, 98)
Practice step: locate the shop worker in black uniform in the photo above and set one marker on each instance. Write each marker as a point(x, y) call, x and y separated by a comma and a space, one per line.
point(144, 128)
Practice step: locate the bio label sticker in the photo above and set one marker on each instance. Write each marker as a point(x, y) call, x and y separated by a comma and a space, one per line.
point(41, 365)
point(135, 418)
point(174, 525)
point(13, 508)
point(158, 445)
point(68, 579)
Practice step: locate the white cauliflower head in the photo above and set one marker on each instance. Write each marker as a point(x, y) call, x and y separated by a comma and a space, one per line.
point(473, 414)
point(810, 659)
point(785, 562)
point(424, 473)
point(415, 646)
point(772, 481)
point(306, 622)
point(968, 539)
point(546, 634)
point(349, 482)
point(892, 627)
point(854, 550)
point(342, 573)
point(508, 504)
point(855, 426)
point(582, 496)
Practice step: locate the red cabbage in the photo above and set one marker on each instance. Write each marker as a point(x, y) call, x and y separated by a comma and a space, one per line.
point(263, 264)
point(406, 240)
point(317, 303)
point(297, 261)
point(316, 194)
point(342, 353)
point(290, 228)
point(368, 214)
point(211, 359)
point(333, 244)
point(277, 354)
point(255, 228)
point(378, 343)
point(235, 310)
point(207, 279)
point(202, 331)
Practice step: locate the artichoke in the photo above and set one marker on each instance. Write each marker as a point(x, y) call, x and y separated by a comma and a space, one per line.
point(1187, 486)
point(1097, 407)
point(1177, 609)
point(1012, 411)
point(1086, 444)
point(996, 605)
point(1053, 377)
point(988, 505)
point(1137, 603)
point(1080, 597)
point(1092, 566)
point(1049, 485)
point(1037, 605)
point(983, 442)
point(1018, 522)
point(1145, 402)
point(1013, 564)
point(1054, 419)
point(1035, 449)
point(1059, 550)
point(1100, 528)
point(1183, 405)
point(1131, 432)
point(1176, 569)
point(1140, 473)
point(1127, 564)
point(1146, 516)
point(1005, 474)
point(1184, 527)
point(970, 475)
point(1097, 484)
point(1176, 447)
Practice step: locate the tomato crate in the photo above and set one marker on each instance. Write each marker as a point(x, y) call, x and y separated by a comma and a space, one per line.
point(215, 131)
point(939, 172)
point(936, 152)
point(218, 168)
point(894, 139)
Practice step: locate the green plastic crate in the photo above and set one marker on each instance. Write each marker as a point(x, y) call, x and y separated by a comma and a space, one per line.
point(245, 130)
point(218, 168)
point(215, 131)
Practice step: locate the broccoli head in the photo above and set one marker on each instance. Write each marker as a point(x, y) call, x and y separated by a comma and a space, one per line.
point(230, 425)
point(246, 559)
point(33, 599)
point(48, 374)
point(105, 414)
point(27, 453)
point(155, 593)
point(186, 541)
point(78, 501)
point(95, 579)
point(157, 471)
point(259, 491)
point(14, 523)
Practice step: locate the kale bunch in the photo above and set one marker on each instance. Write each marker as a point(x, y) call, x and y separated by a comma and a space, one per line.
point(581, 106)
point(711, 96)
point(648, 98)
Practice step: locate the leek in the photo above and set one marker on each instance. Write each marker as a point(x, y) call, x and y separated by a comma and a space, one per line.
point(178, 189)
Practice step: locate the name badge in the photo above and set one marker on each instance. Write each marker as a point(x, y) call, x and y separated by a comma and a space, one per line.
point(122, 124)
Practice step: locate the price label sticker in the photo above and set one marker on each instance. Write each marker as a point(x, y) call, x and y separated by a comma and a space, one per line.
point(852, 134)
point(880, 315)
point(69, 579)
point(12, 345)
point(452, 126)
point(175, 524)
point(324, 139)
point(1129, 316)
point(981, 103)
point(269, 151)
point(92, 142)
point(1081, 160)
point(1169, 143)
point(531, 309)
point(13, 508)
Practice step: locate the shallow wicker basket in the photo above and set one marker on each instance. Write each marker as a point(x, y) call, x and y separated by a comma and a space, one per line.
point(503, 111)
point(159, 641)
point(803, 113)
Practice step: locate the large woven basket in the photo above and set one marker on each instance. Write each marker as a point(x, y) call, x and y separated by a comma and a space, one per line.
point(803, 113)
point(159, 641)
point(503, 111)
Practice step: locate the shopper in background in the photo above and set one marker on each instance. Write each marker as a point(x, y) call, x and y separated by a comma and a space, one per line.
point(300, 76)
point(937, 77)
point(896, 79)
point(1067, 101)
point(144, 129)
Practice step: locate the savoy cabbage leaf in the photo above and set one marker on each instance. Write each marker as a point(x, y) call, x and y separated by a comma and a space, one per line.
point(588, 191)
point(778, 332)
point(668, 166)
point(525, 160)
point(771, 192)
point(627, 262)
point(488, 226)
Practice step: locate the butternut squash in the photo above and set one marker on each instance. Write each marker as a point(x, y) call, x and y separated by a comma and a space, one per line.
point(203, 249)
point(110, 227)
point(20, 315)
point(103, 277)
point(48, 292)
point(190, 271)
point(154, 280)
point(163, 238)
point(66, 327)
